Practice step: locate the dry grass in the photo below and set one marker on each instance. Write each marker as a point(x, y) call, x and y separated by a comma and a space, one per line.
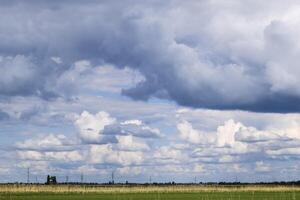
point(142, 189)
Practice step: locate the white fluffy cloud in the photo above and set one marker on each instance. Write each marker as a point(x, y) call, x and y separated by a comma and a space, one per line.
point(131, 143)
point(293, 151)
point(260, 166)
point(234, 138)
point(188, 133)
point(101, 128)
point(226, 133)
point(4, 170)
point(90, 127)
point(30, 155)
point(130, 170)
point(95, 146)
point(56, 156)
point(105, 154)
point(168, 155)
point(194, 150)
point(48, 142)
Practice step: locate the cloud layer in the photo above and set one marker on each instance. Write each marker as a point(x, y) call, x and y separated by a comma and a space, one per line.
point(223, 58)
point(242, 149)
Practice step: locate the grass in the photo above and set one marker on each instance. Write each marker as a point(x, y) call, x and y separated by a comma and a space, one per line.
point(197, 192)
point(154, 196)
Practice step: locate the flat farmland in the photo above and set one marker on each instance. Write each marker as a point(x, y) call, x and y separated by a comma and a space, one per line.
point(68, 192)
point(148, 196)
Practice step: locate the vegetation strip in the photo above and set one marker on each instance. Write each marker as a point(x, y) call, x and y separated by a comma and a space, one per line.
point(141, 189)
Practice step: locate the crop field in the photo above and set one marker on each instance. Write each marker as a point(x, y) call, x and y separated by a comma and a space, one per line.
point(68, 192)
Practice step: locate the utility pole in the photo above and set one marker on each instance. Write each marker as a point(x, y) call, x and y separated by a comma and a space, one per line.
point(150, 180)
point(67, 179)
point(112, 178)
point(28, 175)
point(81, 178)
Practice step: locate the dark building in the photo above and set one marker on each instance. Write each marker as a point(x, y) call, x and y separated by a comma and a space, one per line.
point(51, 180)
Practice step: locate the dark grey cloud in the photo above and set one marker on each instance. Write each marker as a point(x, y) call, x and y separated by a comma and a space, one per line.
point(3, 115)
point(198, 54)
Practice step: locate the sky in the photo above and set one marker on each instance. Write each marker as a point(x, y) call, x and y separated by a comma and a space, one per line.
point(184, 91)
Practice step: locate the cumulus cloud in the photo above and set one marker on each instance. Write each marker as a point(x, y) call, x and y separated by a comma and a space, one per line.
point(57, 156)
point(226, 133)
point(231, 144)
point(105, 154)
point(4, 170)
point(90, 127)
point(198, 168)
point(130, 170)
point(131, 143)
point(188, 133)
point(54, 148)
point(293, 151)
point(260, 166)
point(101, 128)
point(95, 145)
point(30, 155)
point(66, 156)
point(223, 137)
point(138, 130)
point(45, 143)
point(251, 134)
point(233, 139)
point(132, 122)
point(168, 155)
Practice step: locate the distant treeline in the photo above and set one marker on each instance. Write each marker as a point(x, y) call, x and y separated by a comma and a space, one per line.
point(283, 183)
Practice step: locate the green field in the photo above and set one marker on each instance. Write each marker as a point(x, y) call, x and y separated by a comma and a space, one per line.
point(147, 193)
point(148, 196)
